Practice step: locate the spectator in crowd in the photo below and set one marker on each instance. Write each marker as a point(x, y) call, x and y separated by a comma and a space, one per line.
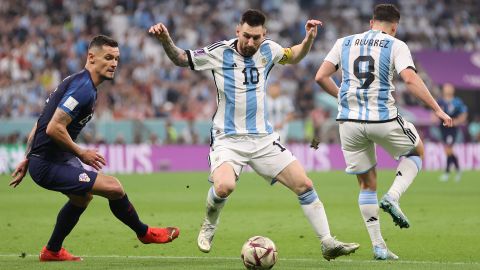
point(280, 110)
point(474, 129)
point(43, 41)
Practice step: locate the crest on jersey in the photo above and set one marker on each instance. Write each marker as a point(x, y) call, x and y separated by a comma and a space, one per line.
point(83, 177)
point(199, 52)
point(264, 61)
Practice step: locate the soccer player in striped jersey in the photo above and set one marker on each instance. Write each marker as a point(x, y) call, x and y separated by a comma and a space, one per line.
point(241, 133)
point(280, 110)
point(367, 115)
point(456, 109)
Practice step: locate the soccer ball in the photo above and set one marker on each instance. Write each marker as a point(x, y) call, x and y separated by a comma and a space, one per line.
point(259, 253)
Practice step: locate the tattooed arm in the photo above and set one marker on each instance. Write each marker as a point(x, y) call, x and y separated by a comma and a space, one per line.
point(177, 55)
point(57, 130)
point(30, 140)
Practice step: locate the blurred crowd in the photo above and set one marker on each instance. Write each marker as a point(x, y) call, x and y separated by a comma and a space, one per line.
point(44, 41)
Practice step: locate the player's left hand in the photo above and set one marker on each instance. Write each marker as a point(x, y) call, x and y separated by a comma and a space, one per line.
point(19, 173)
point(92, 158)
point(311, 28)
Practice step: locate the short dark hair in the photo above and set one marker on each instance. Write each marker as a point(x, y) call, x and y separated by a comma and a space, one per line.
point(100, 40)
point(387, 13)
point(253, 17)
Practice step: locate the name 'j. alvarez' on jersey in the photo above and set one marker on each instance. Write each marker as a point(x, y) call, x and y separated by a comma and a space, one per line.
point(368, 61)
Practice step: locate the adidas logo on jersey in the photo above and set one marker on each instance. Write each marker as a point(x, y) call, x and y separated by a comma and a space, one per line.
point(399, 173)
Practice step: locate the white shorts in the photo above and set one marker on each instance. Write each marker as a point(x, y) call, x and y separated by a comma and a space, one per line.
point(263, 153)
point(359, 139)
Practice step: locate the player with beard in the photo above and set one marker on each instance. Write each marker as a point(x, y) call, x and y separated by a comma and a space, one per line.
point(241, 133)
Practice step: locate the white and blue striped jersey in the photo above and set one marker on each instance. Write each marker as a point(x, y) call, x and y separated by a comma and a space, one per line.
point(368, 61)
point(279, 109)
point(241, 84)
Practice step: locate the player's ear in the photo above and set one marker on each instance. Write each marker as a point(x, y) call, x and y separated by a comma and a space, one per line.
point(394, 28)
point(91, 57)
point(238, 30)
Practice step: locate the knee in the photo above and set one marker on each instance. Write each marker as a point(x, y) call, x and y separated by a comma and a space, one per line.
point(224, 189)
point(81, 201)
point(303, 186)
point(419, 150)
point(114, 189)
point(88, 198)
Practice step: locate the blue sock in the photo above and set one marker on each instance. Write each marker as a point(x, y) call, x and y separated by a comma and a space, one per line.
point(308, 197)
point(214, 205)
point(126, 213)
point(214, 197)
point(67, 219)
point(368, 204)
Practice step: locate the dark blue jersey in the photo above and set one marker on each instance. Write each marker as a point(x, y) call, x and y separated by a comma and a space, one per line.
point(76, 96)
point(454, 108)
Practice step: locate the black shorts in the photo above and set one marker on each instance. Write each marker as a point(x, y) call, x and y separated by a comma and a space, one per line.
point(449, 135)
point(68, 177)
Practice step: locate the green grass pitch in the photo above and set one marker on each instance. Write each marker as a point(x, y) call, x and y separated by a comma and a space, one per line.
point(445, 219)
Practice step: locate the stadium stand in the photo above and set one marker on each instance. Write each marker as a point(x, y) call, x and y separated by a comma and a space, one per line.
point(44, 41)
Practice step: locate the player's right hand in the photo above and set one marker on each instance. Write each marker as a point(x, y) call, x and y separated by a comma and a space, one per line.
point(311, 28)
point(92, 158)
point(160, 31)
point(447, 120)
point(19, 173)
point(314, 143)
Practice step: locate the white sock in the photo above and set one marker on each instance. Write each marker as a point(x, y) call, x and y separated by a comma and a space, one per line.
point(368, 203)
point(313, 209)
point(407, 171)
point(214, 205)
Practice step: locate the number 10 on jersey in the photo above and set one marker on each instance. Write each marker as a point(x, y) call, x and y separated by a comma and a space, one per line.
point(252, 76)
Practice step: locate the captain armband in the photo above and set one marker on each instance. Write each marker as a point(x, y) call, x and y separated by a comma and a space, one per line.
point(287, 55)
